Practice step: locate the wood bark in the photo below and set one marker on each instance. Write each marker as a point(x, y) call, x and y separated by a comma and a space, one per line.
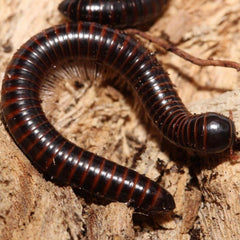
point(104, 119)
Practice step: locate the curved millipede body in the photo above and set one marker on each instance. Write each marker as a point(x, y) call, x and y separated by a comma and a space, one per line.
point(120, 13)
point(68, 163)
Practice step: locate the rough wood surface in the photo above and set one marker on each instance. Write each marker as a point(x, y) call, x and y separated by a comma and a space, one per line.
point(104, 120)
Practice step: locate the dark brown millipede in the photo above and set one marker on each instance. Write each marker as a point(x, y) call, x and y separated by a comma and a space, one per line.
point(53, 154)
point(118, 13)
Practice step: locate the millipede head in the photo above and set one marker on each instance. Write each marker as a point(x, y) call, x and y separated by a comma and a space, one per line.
point(218, 133)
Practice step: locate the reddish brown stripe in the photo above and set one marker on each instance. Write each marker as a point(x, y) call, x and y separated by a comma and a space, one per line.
point(95, 180)
point(155, 198)
point(161, 106)
point(18, 56)
point(144, 193)
point(61, 166)
point(38, 139)
point(109, 181)
point(23, 137)
point(69, 40)
point(73, 169)
point(120, 52)
point(17, 111)
point(34, 38)
point(51, 159)
point(160, 84)
point(83, 177)
point(122, 183)
point(15, 88)
point(19, 124)
point(135, 181)
point(26, 68)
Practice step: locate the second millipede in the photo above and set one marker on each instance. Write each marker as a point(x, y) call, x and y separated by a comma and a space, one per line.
point(50, 152)
point(117, 13)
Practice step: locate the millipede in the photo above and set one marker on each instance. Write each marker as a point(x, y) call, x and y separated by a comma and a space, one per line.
point(56, 156)
point(120, 14)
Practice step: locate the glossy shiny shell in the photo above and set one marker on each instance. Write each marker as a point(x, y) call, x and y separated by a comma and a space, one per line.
point(120, 13)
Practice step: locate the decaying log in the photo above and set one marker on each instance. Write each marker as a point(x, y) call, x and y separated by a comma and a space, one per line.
point(103, 118)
